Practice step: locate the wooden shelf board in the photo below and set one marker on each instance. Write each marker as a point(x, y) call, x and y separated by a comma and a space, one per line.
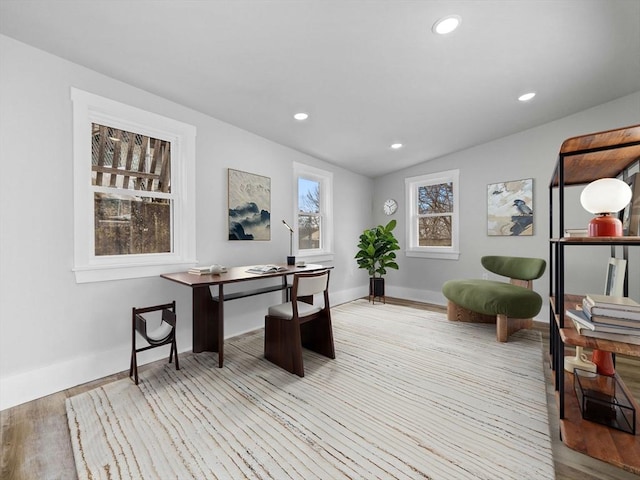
point(571, 336)
point(599, 441)
point(628, 240)
point(597, 155)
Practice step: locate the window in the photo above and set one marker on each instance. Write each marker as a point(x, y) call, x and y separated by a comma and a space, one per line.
point(314, 212)
point(134, 182)
point(432, 223)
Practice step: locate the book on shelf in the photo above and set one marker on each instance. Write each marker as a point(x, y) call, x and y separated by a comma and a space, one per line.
point(611, 316)
point(581, 317)
point(612, 302)
point(615, 337)
point(267, 269)
point(215, 269)
point(576, 232)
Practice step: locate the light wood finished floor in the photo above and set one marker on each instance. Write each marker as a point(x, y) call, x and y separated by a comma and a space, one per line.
point(36, 442)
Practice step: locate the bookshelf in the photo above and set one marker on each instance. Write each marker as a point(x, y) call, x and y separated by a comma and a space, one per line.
point(582, 160)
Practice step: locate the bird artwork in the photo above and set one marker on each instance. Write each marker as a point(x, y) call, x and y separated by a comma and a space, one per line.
point(522, 207)
point(510, 208)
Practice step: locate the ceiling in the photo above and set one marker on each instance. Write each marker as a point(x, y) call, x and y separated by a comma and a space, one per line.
point(368, 73)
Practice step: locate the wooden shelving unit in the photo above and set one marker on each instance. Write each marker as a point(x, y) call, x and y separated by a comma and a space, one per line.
point(582, 160)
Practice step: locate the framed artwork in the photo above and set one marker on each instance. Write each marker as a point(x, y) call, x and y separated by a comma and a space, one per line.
point(630, 215)
point(614, 283)
point(510, 208)
point(249, 206)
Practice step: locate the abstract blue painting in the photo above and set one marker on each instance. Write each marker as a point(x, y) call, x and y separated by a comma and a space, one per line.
point(249, 206)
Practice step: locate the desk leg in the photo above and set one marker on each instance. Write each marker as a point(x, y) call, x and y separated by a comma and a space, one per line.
point(205, 319)
point(218, 313)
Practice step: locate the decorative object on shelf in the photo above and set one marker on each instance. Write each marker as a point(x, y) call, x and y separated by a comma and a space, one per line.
point(579, 361)
point(616, 271)
point(510, 208)
point(630, 215)
point(291, 260)
point(604, 362)
point(390, 206)
point(602, 399)
point(249, 206)
point(605, 197)
point(377, 253)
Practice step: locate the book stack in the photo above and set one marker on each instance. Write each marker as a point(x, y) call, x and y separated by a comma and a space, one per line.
point(608, 317)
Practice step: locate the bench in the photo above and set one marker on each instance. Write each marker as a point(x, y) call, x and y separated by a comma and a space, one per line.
point(511, 306)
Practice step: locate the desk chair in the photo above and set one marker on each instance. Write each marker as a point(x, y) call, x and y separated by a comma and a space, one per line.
point(299, 323)
point(164, 334)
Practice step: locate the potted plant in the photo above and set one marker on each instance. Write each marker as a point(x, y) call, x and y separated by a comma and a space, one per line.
point(376, 254)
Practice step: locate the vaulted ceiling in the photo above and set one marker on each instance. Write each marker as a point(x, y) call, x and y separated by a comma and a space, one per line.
point(368, 73)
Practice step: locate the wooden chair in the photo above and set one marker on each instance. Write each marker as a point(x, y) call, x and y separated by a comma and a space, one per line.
point(299, 323)
point(164, 334)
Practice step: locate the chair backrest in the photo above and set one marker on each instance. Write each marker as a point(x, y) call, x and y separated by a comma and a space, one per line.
point(521, 268)
point(306, 284)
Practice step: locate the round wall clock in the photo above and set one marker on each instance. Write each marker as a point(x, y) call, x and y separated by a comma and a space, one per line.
point(390, 206)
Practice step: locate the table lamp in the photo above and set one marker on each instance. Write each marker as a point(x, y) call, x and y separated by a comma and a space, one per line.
point(291, 260)
point(604, 198)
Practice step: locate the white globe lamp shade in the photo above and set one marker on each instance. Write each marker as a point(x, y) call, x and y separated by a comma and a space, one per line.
point(606, 195)
point(602, 198)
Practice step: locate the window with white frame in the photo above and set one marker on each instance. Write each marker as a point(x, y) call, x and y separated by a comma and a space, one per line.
point(134, 182)
point(432, 215)
point(314, 212)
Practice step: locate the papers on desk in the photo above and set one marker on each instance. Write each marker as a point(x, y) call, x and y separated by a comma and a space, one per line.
point(266, 269)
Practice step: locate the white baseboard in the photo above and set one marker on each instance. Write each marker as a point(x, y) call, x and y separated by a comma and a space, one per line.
point(417, 295)
point(33, 384)
point(27, 386)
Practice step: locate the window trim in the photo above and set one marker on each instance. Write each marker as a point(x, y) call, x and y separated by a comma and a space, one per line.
point(411, 191)
point(89, 108)
point(325, 178)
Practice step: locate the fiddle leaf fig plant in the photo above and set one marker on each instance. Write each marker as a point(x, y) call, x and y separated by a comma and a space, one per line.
point(376, 249)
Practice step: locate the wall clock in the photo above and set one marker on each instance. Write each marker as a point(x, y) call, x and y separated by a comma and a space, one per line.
point(390, 206)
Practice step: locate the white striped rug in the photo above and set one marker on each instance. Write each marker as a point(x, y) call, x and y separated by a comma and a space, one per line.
point(410, 395)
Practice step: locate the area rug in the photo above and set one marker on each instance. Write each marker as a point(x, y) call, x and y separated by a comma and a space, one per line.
point(409, 395)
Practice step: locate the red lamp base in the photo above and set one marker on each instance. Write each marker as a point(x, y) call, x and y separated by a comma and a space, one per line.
point(605, 225)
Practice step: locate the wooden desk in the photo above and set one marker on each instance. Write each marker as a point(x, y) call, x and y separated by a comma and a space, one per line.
point(208, 310)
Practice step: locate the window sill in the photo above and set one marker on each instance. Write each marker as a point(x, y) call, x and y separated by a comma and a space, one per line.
point(448, 255)
point(316, 257)
point(124, 272)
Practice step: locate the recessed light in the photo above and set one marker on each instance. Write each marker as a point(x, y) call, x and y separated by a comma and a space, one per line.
point(446, 24)
point(396, 146)
point(527, 96)
point(301, 116)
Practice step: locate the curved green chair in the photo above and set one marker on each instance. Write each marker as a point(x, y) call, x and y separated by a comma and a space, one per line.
point(511, 306)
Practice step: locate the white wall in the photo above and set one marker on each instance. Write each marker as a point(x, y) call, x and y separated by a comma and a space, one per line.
point(529, 154)
point(55, 333)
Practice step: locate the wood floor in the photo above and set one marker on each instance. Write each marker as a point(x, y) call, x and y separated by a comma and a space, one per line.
point(36, 442)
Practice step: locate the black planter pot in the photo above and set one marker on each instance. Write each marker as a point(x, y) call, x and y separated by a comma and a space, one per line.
point(376, 289)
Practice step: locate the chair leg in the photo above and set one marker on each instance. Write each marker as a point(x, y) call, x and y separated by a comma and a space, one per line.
point(274, 344)
point(133, 368)
point(317, 335)
point(294, 340)
point(282, 344)
point(507, 326)
point(174, 351)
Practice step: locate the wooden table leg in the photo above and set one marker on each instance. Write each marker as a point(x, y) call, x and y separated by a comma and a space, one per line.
point(205, 320)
